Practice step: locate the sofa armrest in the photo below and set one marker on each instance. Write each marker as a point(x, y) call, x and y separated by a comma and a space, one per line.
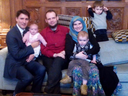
point(3, 54)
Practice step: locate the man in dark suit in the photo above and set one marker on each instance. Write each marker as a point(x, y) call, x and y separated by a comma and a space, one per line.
point(16, 65)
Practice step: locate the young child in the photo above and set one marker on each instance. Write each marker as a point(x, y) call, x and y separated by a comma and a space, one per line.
point(32, 36)
point(83, 45)
point(99, 13)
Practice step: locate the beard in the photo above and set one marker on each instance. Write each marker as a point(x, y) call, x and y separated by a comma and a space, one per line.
point(53, 26)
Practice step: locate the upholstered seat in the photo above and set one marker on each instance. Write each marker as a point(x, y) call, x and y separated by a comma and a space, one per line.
point(106, 53)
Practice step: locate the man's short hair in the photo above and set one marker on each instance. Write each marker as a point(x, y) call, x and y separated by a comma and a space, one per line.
point(23, 11)
point(98, 4)
point(49, 11)
point(83, 34)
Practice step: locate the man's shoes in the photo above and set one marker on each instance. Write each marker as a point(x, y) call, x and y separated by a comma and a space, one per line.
point(84, 89)
point(66, 79)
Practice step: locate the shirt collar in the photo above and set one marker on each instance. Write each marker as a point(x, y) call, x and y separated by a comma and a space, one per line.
point(21, 30)
point(57, 29)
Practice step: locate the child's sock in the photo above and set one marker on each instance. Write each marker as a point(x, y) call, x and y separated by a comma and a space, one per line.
point(84, 87)
point(84, 82)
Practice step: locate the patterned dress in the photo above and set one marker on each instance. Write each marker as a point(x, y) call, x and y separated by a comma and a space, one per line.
point(94, 85)
point(119, 86)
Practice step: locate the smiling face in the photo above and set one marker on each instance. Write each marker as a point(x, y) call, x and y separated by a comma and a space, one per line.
point(22, 20)
point(51, 19)
point(98, 10)
point(33, 29)
point(77, 26)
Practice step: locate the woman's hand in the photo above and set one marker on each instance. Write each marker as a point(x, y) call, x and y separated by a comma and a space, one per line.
point(81, 55)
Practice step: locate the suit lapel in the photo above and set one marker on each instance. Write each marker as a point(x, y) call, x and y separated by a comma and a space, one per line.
point(19, 37)
point(18, 33)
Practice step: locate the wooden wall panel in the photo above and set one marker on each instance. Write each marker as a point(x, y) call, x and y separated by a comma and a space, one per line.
point(125, 17)
point(37, 8)
point(35, 15)
point(74, 11)
point(117, 21)
point(57, 9)
point(4, 14)
point(15, 5)
point(0, 14)
point(118, 9)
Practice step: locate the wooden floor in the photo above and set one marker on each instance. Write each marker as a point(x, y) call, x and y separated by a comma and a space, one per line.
point(38, 94)
point(26, 94)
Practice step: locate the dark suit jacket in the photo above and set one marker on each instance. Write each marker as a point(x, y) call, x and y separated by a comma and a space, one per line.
point(17, 52)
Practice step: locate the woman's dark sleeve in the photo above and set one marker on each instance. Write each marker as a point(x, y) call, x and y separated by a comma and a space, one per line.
point(90, 12)
point(69, 46)
point(109, 15)
point(96, 48)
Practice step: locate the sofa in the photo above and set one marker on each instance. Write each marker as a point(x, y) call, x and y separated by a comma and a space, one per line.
point(111, 53)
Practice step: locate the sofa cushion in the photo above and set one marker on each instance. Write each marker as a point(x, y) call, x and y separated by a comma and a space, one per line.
point(65, 21)
point(112, 53)
point(121, 35)
point(88, 23)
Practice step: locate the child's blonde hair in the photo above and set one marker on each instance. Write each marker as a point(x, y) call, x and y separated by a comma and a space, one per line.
point(98, 4)
point(83, 34)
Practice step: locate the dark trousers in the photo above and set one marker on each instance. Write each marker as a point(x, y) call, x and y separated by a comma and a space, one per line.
point(101, 35)
point(31, 72)
point(53, 68)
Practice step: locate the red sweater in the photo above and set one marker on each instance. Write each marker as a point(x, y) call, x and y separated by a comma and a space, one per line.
point(55, 40)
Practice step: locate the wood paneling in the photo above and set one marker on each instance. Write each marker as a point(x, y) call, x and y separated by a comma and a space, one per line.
point(4, 14)
point(117, 21)
point(35, 15)
point(15, 5)
point(37, 8)
point(118, 9)
point(74, 11)
point(2, 39)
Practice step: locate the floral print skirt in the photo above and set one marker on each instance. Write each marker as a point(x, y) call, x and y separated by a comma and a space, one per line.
point(94, 85)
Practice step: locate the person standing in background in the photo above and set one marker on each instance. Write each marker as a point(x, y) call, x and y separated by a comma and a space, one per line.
point(99, 13)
